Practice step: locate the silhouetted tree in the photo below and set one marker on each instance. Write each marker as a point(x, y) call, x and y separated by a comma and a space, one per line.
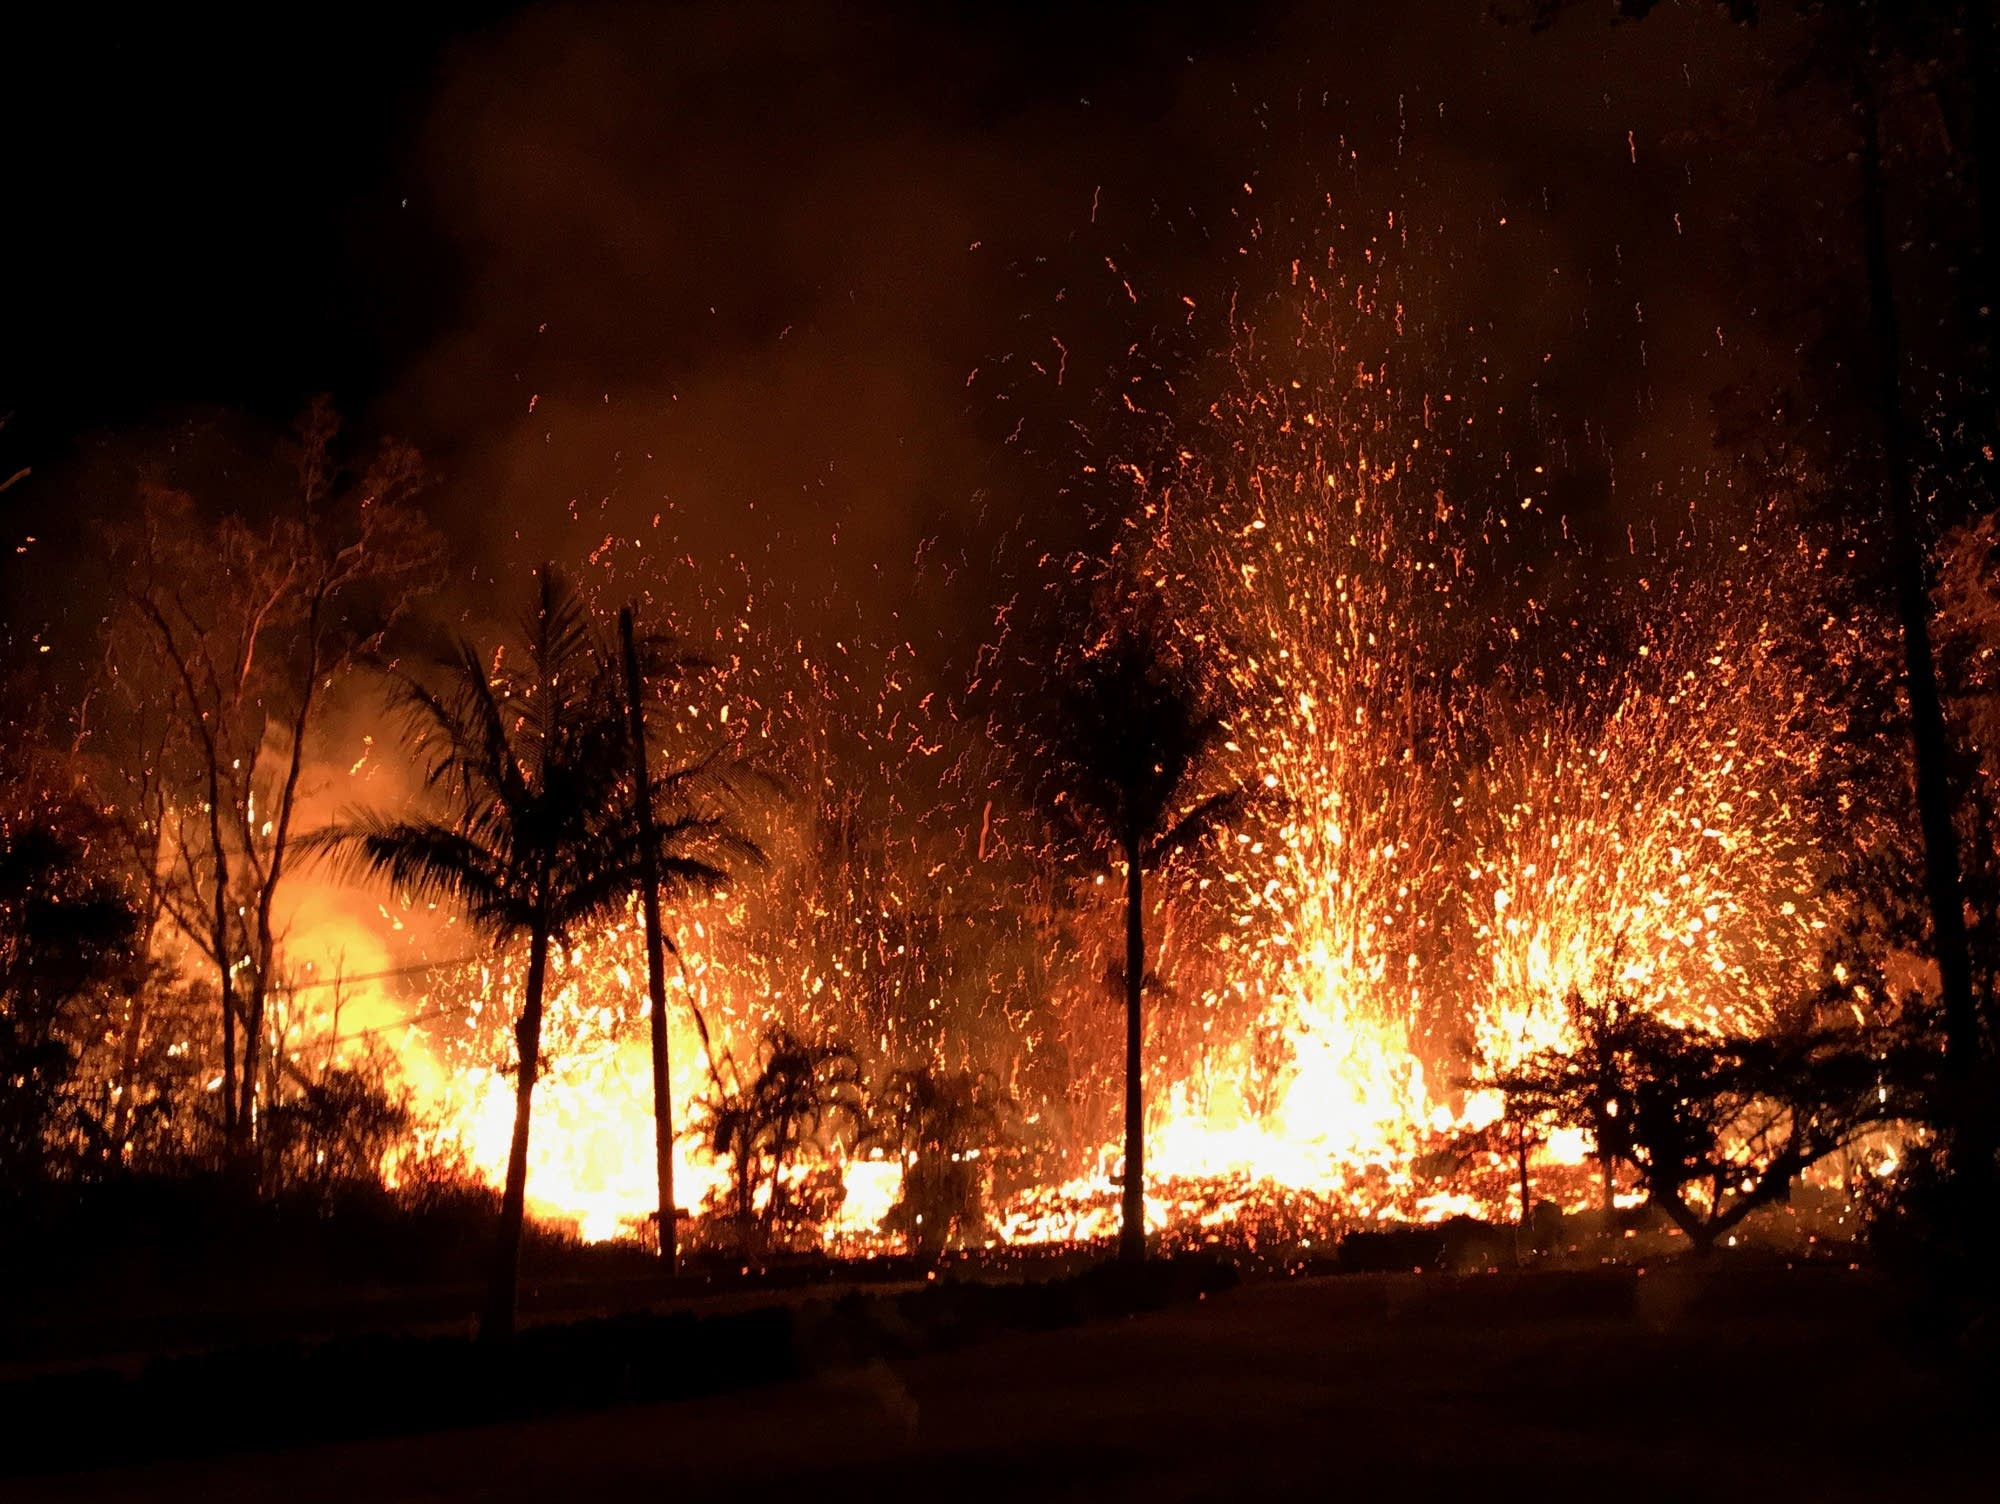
point(1943, 49)
point(1713, 1126)
point(943, 1126)
point(656, 941)
point(653, 665)
point(219, 663)
point(536, 839)
point(800, 1102)
point(1129, 759)
point(334, 1129)
point(67, 928)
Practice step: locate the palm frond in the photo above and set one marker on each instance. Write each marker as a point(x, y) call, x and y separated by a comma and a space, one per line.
point(1132, 727)
point(1200, 823)
point(426, 860)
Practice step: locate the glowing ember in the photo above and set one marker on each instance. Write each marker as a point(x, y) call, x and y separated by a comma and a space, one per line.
point(1447, 854)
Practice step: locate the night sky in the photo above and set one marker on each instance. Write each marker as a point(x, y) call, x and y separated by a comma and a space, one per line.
point(785, 273)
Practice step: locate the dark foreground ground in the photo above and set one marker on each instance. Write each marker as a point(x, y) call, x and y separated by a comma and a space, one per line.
point(1768, 1384)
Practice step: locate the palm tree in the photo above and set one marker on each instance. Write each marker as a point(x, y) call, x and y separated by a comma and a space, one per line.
point(939, 1125)
point(802, 1093)
point(537, 837)
point(1128, 761)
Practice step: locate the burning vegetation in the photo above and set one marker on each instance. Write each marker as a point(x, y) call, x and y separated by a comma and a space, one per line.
point(1347, 825)
point(1297, 848)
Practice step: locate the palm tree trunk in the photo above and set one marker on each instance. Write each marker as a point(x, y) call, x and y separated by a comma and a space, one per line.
point(656, 977)
point(1132, 1230)
point(498, 1324)
point(778, 1156)
point(1950, 945)
point(746, 1191)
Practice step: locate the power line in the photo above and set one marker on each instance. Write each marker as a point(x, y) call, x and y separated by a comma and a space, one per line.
point(398, 1023)
point(423, 1015)
point(340, 979)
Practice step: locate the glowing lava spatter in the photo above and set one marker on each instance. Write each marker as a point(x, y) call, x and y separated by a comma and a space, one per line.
point(1475, 807)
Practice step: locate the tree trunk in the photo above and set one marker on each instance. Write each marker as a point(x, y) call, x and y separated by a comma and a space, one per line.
point(656, 977)
point(230, 1124)
point(1607, 1196)
point(256, 1005)
point(1523, 1242)
point(1132, 1227)
point(1929, 734)
point(746, 1190)
point(253, 1062)
point(1701, 1233)
point(498, 1325)
point(770, 1218)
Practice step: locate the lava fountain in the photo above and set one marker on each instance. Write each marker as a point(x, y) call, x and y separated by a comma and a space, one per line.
point(1480, 803)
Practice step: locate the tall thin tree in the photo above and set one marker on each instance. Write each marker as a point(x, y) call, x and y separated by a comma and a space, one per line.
point(1854, 42)
point(232, 639)
point(1130, 765)
point(656, 980)
point(536, 837)
point(1930, 736)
